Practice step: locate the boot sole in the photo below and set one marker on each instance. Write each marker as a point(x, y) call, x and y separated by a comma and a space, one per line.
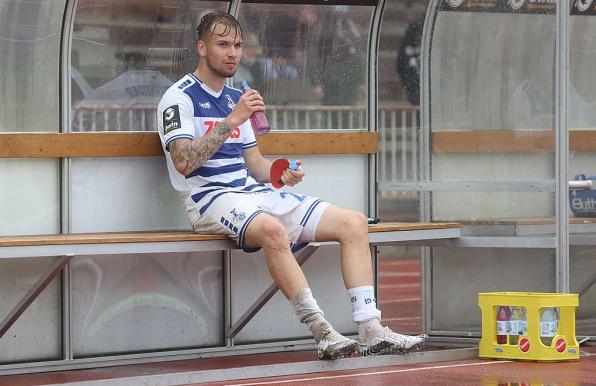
point(331, 353)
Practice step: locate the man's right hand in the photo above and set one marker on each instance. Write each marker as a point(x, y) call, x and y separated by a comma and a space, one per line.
point(248, 103)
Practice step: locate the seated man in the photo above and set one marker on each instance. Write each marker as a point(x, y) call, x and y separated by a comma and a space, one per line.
point(215, 164)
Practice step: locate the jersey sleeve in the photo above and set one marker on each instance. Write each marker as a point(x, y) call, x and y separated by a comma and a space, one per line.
point(175, 117)
point(248, 135)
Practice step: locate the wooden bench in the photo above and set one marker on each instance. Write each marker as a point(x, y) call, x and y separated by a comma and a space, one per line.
point(66, 246)
point(135, 144)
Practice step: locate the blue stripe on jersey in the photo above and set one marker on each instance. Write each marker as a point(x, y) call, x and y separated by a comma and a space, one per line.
point(228, 150)
point(234, 184)
point(249, 189)
point(206, 171)
point(254, 186)
point(187, 136)
point(249, 145)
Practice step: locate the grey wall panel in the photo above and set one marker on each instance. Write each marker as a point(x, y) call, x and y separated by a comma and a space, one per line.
point(120, 194)
point(29, 197)
point(37, 333)
point(146, 302)
point(459, 274)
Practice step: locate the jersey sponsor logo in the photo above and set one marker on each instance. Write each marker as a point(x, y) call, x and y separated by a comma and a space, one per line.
point(171, 119)
point(210, 125)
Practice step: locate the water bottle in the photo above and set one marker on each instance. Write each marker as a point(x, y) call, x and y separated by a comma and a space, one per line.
point(503, 327)
point(258, 120)
point(518, 324)
point(549, 321)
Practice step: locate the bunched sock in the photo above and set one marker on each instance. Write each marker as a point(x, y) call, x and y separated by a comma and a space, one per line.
point(330, 343)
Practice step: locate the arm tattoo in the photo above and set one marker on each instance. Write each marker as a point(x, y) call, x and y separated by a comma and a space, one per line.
point(192, 154)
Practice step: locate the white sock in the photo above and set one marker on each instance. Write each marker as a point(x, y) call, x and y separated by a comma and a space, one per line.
point(306, 308)
point(364, 304)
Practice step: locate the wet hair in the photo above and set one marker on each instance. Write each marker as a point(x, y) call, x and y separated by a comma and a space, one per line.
point(211, 20)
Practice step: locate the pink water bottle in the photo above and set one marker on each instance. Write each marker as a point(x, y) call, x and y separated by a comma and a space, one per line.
point(258, 120)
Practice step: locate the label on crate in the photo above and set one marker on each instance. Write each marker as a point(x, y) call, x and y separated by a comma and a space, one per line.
point(503, 327)
point(548, 328)
point(560, 345)
point(524, 344)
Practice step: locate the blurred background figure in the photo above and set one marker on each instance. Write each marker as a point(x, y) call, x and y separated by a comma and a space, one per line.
point(408, 60)
point(342, 78)
point(253, 64)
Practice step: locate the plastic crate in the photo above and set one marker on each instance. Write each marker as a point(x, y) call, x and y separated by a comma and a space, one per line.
point(563, 346)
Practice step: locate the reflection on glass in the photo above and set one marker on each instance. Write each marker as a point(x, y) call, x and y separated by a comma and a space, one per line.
point(308, 61)
point(119, 303)
point(125, 54)
point(29, 61)
point(29, 66)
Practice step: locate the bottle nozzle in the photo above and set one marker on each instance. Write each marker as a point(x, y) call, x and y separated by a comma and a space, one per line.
point(244, 85)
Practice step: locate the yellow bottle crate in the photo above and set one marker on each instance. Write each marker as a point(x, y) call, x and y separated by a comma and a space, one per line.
point(563, 347)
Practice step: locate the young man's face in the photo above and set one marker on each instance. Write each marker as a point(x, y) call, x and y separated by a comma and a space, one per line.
point(222, 53)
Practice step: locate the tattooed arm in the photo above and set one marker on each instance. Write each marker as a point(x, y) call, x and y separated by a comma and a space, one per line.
point(188, 154)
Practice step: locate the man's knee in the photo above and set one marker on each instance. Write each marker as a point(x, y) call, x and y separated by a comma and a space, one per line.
point(270, 232)
point(356, 225)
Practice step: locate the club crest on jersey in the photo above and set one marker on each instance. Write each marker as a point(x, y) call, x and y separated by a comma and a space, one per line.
point(231, 103)
point(171, 119)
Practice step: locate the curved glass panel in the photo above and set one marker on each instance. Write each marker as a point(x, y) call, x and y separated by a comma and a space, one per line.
point(309, 62)
point(582, 156)
point(125, 54)
point(399, 267)
point(491, 111)
point(30, 34)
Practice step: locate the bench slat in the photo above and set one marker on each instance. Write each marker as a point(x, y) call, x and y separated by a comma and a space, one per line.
point(183, 235)
point(147, 144)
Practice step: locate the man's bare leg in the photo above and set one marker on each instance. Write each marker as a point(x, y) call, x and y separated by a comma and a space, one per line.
point(350, 228)
point(268, 233)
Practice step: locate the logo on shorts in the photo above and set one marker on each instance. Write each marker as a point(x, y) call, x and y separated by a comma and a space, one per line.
point(238, 216)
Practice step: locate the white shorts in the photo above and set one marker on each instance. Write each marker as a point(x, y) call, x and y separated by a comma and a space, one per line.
point(231, 213)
